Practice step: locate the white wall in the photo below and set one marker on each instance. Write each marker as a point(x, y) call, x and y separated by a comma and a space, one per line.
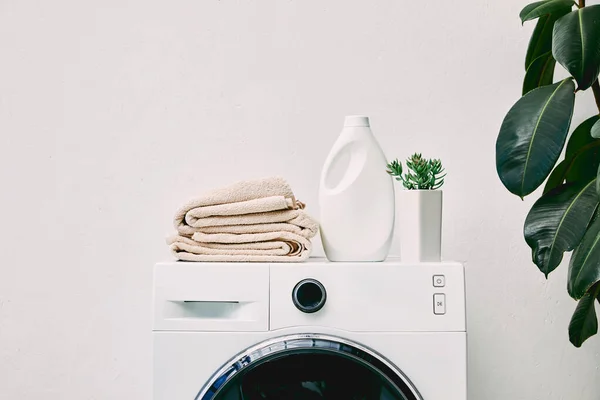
point(112, 113)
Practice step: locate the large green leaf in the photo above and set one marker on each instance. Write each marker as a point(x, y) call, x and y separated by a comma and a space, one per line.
point(584, 323)
point(557, 176)
point(584, 151)
point(581, 136)
point(541, 8)
point(541, 39)
point(557, 221)
point(582, 157)
point(576, 44)
point(532, 136)
point(539, 73)
point(596, 130)
point(584, 268)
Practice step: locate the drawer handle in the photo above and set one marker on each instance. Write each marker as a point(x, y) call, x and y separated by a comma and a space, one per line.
point(190, 309)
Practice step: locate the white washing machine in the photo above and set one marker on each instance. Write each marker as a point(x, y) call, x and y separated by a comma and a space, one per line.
point(317, 330)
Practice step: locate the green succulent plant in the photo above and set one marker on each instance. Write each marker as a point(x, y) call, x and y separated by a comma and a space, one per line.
point(423, 174)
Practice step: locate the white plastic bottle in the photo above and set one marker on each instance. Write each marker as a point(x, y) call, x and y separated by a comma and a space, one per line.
point(356, 196)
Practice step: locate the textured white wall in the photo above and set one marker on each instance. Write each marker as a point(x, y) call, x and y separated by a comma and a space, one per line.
point(114, 112)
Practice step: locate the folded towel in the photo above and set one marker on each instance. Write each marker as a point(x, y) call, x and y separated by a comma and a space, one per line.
point(240, 198)
point(296, 221)
point(259, 247)
point(258, 220)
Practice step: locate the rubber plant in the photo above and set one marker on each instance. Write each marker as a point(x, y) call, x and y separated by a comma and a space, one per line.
point(532, 138)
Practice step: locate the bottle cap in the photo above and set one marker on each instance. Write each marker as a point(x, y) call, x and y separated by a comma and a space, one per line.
point(356, 120)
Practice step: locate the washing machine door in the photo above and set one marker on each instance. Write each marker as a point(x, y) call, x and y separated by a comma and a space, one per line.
point(306, 367)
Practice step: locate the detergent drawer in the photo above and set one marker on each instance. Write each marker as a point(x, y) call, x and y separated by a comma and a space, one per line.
point(223, 297)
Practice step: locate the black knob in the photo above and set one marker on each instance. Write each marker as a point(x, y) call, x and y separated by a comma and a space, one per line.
point(309, 295)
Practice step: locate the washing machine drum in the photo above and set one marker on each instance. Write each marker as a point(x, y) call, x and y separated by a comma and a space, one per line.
point(301, 368)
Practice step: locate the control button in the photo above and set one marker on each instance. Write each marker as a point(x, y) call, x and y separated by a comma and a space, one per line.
point(309, 295)
point(439, 304)
point(439, 281)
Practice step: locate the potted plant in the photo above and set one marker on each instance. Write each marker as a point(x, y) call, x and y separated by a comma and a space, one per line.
point(419, 208)
point(531, 141)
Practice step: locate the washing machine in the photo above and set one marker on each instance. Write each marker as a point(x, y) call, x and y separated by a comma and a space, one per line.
point(316, 330)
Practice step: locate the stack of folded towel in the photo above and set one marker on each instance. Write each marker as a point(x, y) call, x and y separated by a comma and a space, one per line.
point(258, 220)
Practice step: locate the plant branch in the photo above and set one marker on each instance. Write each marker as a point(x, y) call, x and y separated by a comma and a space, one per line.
point(581, 3)
point(596, 90)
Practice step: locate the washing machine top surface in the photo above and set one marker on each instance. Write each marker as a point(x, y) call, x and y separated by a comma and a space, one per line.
point(389, 296)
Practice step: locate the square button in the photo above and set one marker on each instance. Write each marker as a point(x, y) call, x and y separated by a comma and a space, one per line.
point(439, 304)
point(439, 281)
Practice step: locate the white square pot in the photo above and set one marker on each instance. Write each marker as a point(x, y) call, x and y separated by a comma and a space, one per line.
point(419, 225)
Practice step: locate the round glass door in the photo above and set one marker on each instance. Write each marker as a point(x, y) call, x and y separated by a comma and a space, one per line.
point(309, 367)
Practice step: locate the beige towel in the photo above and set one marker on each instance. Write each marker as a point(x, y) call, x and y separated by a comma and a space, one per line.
point(261, 247)
point(295, 221)
point(258, 220)
point(241, 198)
